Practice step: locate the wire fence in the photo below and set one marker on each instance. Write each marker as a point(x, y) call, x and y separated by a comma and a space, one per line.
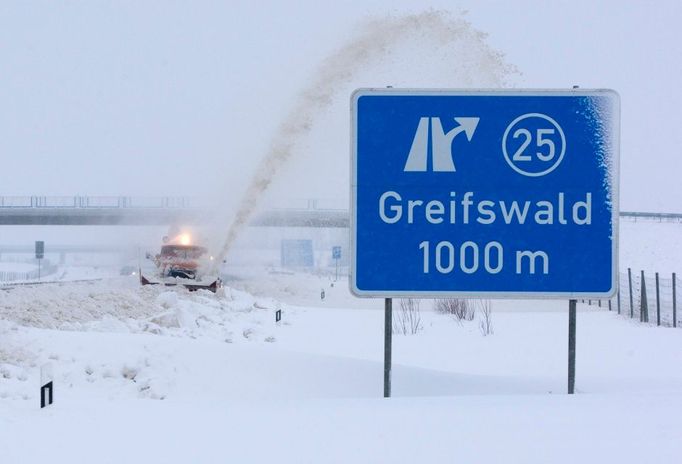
point(18, 276)
point(648, 297)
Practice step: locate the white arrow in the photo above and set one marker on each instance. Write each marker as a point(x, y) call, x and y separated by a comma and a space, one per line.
point(469, 125)
point(441, 144)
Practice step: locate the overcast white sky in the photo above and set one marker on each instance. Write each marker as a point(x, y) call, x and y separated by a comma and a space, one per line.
point(183, 98)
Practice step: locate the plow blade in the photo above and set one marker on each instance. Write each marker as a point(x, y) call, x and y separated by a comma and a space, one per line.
point(188, 284)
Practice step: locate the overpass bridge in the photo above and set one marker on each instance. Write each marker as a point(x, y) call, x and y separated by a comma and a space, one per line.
point(159, 211)
point(84, 210)
point(148, 211)
point(151, 211)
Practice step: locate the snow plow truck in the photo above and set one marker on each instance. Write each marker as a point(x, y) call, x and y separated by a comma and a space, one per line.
point(182, 263)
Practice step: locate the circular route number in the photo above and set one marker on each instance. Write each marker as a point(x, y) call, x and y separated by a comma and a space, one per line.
point(533, 144)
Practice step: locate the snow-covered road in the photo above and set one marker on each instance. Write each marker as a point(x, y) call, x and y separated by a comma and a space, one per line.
point(162, 375)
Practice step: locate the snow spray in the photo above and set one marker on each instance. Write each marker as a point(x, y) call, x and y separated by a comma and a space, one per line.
point(473, 63)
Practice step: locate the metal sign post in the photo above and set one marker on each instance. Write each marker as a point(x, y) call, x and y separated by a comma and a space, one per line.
point(484, 194)
point(388, 345)
point(40, 254)
point(336, 255)
point(571, 345)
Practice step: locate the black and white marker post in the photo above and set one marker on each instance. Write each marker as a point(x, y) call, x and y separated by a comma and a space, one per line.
point(46, 385)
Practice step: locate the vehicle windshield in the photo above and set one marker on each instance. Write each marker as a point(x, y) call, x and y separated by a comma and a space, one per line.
point(182, 251)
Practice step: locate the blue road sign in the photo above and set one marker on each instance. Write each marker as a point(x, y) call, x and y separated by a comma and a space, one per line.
point(40, 249)
point(484, 193)
point(336, 252)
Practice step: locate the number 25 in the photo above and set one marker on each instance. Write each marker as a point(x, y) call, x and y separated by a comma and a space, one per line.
point(540, 141)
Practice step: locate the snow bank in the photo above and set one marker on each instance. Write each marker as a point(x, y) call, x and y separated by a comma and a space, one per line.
point(124, 305)
point(115, 320)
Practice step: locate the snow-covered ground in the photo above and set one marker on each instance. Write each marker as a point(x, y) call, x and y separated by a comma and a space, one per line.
point(651, 246)
point(149, 374)
point(159, 374)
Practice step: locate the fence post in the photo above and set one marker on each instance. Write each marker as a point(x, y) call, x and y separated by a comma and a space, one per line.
point(619, 298)
point(643, 303)
point(609, 304)
point(632, 304)
point(674, 302)
point(658, 302)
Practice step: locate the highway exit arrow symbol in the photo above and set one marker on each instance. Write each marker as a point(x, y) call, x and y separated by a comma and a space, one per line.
point(441, 144)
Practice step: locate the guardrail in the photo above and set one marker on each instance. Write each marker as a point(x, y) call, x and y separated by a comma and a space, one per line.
point(94, 202)
point(78, 201)
point(635, 215)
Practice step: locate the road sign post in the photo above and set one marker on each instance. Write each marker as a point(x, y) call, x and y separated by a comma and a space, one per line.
point(571, 345)
point(484, 194)
point(336, 255)
point(388, 345)
point(40, 253)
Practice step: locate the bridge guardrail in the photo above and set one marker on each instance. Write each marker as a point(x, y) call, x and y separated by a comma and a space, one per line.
point(113, 202)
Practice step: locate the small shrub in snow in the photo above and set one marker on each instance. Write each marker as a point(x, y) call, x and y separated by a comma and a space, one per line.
point(461, 309)
point(407, 319)
point(485, 322)
point(270, 339)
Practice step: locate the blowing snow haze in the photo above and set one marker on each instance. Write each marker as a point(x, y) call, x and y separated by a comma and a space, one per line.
point(392, 44)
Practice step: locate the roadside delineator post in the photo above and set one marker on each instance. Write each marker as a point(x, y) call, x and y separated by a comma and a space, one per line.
point(46, 385)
